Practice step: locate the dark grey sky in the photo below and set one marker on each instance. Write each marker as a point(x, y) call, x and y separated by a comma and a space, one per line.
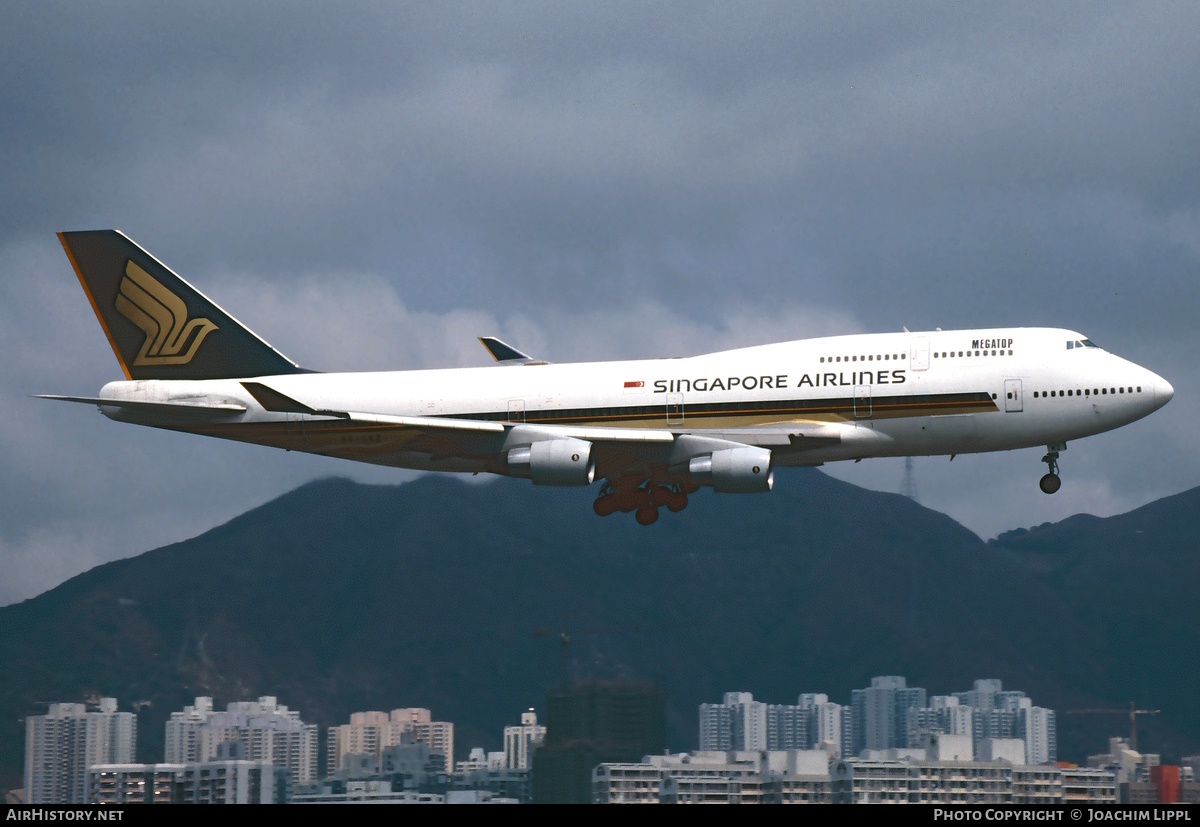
point(372, 185)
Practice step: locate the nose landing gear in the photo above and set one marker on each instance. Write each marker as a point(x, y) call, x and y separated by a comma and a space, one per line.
point(1051, 481)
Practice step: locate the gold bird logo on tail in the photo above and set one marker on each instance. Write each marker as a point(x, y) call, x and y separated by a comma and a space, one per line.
point(162, 316)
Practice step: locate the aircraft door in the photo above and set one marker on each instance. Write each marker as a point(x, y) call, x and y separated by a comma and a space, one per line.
point(862, 401)
point(674, 408)
point(919, 356)
point(516, 410)
point(1012, 396)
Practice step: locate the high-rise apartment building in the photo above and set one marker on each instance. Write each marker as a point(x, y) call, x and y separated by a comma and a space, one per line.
point(216, 782)
point(787, 727)
point(591, 722)
point(372, 733)
point(61, 745)
point(1010, 714)
point(743, 724)
point(880, 713)
point(738, 723)
point(368, 733)
point(180, 739)
point(887, 715)
point(439, 735)
point(826, 722)
point(945, 715)
point(716, 727)
point(262, 730)
point(1038, 727)
point(521, 741)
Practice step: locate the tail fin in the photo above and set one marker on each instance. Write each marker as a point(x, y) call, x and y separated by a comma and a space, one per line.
point(159, 326)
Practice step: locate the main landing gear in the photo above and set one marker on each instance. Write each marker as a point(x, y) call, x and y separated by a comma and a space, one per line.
point(1051, 482)
point(644, 499)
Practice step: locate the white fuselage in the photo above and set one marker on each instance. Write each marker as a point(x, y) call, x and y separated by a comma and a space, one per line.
point(891, 394)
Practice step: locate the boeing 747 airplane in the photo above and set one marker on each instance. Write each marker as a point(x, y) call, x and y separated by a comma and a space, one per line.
point(650, 431)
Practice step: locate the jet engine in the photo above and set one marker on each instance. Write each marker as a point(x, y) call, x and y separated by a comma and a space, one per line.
point(734, 470)
point(554, 462)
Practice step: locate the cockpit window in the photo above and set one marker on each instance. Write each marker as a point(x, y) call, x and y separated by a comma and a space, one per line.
point(1080, 343)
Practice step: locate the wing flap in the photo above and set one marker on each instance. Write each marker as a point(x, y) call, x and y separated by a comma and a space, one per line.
point(533, 433)
point(797, 436)
point(517, 431)
point(424, 423)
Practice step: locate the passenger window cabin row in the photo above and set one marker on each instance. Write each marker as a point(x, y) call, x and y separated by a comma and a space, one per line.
point(886, 357)
point(1087, 392)
point(950, 354)
point(899, 357)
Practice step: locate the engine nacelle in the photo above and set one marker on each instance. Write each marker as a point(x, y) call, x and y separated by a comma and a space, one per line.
point(565, 461)
point(734, 470)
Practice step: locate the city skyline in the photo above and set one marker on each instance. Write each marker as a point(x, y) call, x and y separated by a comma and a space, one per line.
point(80, 755)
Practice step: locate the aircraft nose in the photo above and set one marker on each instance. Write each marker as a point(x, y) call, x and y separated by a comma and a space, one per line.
point(1162, 391)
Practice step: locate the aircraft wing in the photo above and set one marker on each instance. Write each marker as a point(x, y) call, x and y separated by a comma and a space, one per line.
point(794, 435)
point(375, 437)
point(617, 452)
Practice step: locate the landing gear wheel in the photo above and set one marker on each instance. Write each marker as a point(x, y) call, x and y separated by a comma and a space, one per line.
point(660, 495)
point(646, 515)
point(630, 500)
point(605, 505)
point(1050, 482)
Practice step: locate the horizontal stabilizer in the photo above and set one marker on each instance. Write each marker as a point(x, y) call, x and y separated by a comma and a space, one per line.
point(188, 408)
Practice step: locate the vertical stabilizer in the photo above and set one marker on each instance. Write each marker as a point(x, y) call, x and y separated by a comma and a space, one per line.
point(159, 326)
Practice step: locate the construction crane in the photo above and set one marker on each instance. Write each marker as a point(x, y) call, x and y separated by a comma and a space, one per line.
point(1133, 712)
point(564, 639)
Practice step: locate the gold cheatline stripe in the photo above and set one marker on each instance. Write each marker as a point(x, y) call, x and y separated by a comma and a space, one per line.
point(331, 427)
